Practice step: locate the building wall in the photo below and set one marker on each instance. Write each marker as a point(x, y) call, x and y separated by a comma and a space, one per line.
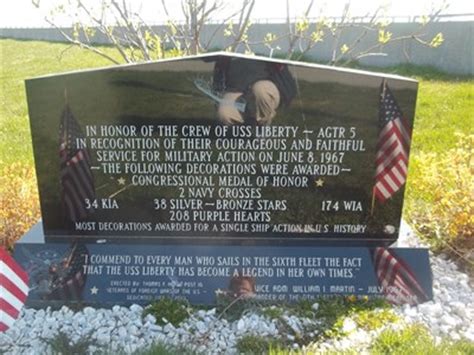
point(454, 56)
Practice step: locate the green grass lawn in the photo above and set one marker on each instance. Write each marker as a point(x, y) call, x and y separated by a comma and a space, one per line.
point(445, 103)
point(20, 60)
point(444, 107)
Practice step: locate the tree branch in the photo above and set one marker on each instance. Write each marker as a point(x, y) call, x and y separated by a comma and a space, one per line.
point(81, 44)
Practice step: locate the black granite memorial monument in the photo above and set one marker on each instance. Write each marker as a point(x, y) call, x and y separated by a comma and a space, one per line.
point(184, 177)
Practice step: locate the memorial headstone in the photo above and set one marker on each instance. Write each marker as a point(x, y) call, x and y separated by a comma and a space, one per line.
point(221, 173)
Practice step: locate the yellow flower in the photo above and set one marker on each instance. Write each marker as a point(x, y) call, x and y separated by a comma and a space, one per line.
point(384, 36)
point(437, 40)
point(352, 298)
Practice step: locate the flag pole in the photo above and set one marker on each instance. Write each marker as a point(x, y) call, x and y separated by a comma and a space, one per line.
point(69, 259)
point(384, 86)
point(373, 202)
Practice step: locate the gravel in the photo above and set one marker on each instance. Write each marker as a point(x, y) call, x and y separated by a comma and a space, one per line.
point(451, 313)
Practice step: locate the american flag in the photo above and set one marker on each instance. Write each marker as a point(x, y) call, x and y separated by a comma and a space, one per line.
point(67, 277)
point(13, 290)
point(393, 147)
point(398, 281)
point(77, 182)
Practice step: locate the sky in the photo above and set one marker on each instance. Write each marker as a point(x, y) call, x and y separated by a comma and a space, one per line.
point(22, 13)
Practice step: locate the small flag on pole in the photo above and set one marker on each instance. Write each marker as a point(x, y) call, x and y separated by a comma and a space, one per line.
point(77, 181)
point(68, 278)
point(393, 147)
point(399, 283)
point(13, 290)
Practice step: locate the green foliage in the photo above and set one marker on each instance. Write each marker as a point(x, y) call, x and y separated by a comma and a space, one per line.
point(288, 351)
point(439, 188)
point(332, 309)
point(301, 25)
point(63, 344)
point(367, 314)
point(344, 48)
point(384, 36)
point(232, 308)
point(162, 349)
point(364, 319)
point(374, 319)
point(167, 310)
point(329, 317)
point(412, 339)
point(19, 205)
point(443, 211)
point(254, 344)
point(305, 309)
point(437, 40)
point(458, 347)
point(155, 45)
point(272, 312)
point(416, 339)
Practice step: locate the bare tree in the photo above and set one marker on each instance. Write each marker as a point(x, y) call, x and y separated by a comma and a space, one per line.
point(239, 32)
point(135, 40)
point(305, 33)
point(198, 14)
point(124, 29)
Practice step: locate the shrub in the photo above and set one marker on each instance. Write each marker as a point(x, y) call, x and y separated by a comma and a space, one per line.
point(63, 344)
point(441, 208)
point(167, 310)
point(19, 205)
point(416, 339)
